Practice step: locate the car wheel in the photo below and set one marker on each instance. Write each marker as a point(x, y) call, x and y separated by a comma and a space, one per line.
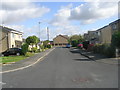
point(18, 54)
point(2, 55)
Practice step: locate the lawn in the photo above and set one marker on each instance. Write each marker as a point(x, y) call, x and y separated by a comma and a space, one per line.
point(8, 59)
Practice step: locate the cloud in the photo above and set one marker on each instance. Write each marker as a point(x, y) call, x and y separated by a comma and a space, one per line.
point(101, 0)
point(61, 17)
point(12, 12)
point(86, 13)
point(92, 11)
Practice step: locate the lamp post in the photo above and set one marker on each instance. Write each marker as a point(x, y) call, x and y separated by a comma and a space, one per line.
point(39, 36)
point(48, 33)
point(39, 29)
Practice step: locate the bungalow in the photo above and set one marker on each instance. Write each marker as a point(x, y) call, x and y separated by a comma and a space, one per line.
point(61, 40)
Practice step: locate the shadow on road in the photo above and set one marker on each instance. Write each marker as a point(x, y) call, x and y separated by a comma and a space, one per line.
point(75, 50)
point(82, 59)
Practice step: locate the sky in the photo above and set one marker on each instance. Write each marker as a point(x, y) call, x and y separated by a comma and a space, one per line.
point(66, 18)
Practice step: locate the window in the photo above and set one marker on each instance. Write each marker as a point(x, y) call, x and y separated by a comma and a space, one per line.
point(98, 33)
point(114, 26)
point(19, 36)
point(13, 35)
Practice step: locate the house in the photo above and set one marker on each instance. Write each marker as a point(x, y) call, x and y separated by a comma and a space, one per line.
point(104, 34)
point(61, 40)
point(86, 36)
point(115, 26)
point(91, 36)
point(10, 38)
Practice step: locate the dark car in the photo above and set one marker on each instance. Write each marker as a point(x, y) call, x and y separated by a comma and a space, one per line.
point(12, 51)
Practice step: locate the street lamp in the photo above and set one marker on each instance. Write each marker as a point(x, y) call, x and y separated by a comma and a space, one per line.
point(39, 29)
point(48, 33)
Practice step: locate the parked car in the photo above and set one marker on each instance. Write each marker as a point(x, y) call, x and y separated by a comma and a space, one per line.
point(68, 46)
point(12, 51)
point(80, 46)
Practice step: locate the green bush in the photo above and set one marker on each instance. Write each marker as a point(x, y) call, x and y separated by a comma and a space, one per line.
point(42, 46)
point(28, 54)
point(104, 49)
point(116, 39)
point(24, 48)
point(74, 43)
point(110, 52)
point(49, 46)
point(34, 49)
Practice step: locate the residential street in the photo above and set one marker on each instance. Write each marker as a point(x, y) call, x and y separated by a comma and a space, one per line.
point(64, 68)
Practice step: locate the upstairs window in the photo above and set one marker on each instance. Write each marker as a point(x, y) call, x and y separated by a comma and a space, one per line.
point(13, 35)
point(114, 26)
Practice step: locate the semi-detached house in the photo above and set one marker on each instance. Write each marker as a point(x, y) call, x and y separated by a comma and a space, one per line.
point(104, 34)
point(9, 38)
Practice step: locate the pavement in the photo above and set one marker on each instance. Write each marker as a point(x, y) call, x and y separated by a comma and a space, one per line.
point(24, 63)
point(99, 57)
point(64, 68)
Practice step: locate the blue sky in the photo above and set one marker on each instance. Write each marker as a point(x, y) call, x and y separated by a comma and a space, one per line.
point(61, 17)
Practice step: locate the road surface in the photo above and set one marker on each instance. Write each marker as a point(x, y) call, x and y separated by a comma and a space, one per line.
point(64, 68)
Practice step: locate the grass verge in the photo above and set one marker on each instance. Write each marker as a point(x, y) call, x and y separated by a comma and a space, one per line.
point(10, 59)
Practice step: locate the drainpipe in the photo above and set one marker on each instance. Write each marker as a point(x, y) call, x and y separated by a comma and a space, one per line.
point(7, 41)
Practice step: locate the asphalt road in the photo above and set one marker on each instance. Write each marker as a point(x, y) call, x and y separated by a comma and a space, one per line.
point(64, 68)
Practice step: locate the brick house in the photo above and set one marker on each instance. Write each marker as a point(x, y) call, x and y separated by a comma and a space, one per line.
point(61, 40)
point(9, 38)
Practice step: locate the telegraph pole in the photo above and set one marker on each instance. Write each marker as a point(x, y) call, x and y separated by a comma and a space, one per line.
point(47, 33)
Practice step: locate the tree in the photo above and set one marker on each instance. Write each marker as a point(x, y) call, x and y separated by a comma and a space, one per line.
point(24, 48)
point(75, 39)
point(32, 40)
point(45, 43)
point(116, 42)
point(116, 39)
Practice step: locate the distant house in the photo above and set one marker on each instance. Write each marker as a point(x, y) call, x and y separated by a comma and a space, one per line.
point(10, 38)
point(91, 36)
point(61, 40)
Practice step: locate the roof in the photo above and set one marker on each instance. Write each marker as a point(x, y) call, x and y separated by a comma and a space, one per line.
point(117, 21)
point(9, 29)
point(102, 28)
point(64, 36)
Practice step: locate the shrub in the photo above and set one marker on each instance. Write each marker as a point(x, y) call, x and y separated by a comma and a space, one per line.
point(24, 48)
point(75, 43)
point(110, 51)
point(49, 46)
point(28, 54)
point(34, 49)
point(104, 49)
point(116, 39)
point(42, 48)
point(85, 44)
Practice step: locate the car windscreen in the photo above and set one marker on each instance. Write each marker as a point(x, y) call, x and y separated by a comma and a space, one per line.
point(11, 49)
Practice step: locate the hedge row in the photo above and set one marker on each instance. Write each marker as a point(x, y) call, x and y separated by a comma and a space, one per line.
point(105, 49)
